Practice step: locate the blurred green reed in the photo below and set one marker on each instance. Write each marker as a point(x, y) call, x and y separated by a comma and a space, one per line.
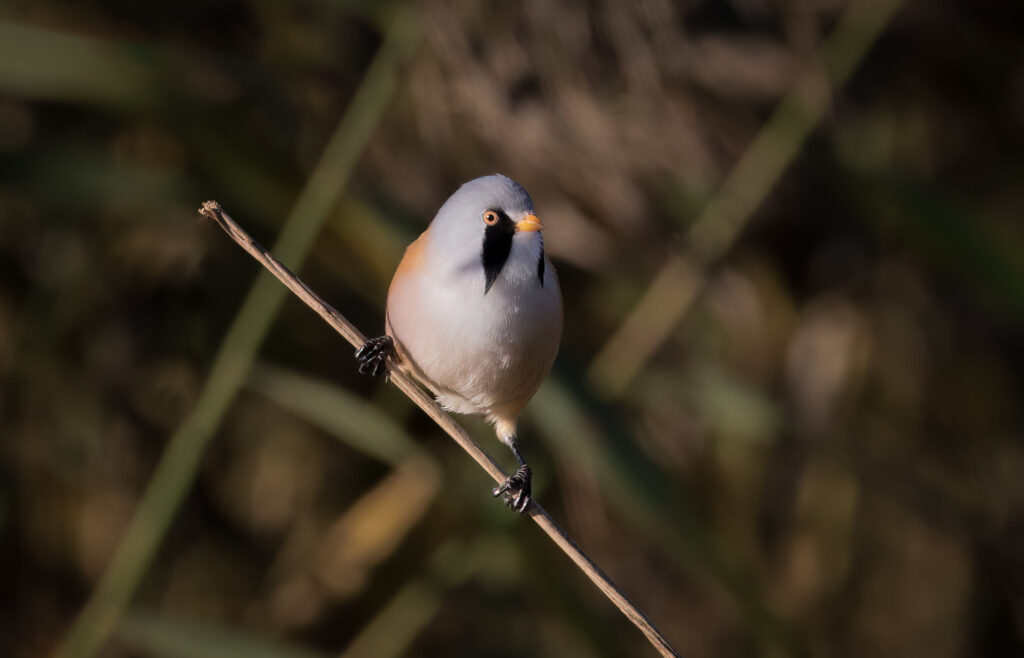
point(164, 636)
point(360, 423)
point(666, 300)
point(177, 469)
point(391, 632)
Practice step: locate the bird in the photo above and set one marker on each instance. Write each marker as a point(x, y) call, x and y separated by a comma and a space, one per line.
point(474, 313)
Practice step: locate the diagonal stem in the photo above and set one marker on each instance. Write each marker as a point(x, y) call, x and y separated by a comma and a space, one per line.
point(425, 402)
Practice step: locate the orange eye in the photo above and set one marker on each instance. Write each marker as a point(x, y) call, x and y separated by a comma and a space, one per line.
point(490, 218)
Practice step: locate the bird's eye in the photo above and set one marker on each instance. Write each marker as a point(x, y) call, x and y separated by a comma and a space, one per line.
point(490, 218)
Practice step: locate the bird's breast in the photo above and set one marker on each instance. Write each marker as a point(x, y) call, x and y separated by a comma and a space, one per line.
point(482, 353)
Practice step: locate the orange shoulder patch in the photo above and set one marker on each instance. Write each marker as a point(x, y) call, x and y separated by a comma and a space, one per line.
point(412, 260)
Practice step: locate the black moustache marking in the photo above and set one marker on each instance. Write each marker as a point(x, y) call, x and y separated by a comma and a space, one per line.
point(540, 263)
point(496, 248)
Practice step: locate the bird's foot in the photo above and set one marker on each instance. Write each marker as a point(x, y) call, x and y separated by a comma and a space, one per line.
point(515, 491)
point(374, 354)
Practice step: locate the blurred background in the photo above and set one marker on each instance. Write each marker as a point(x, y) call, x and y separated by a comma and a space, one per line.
point(786, 417)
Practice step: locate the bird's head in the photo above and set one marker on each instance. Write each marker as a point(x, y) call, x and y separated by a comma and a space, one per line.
point(487, 225)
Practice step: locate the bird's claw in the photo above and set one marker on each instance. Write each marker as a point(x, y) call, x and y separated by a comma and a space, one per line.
point(373, 355)
point(515, 490)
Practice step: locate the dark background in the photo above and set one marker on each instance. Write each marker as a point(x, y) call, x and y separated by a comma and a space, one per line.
point(806, 441)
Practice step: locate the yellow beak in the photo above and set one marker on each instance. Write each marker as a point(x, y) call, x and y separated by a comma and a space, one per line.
point(529, 223)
